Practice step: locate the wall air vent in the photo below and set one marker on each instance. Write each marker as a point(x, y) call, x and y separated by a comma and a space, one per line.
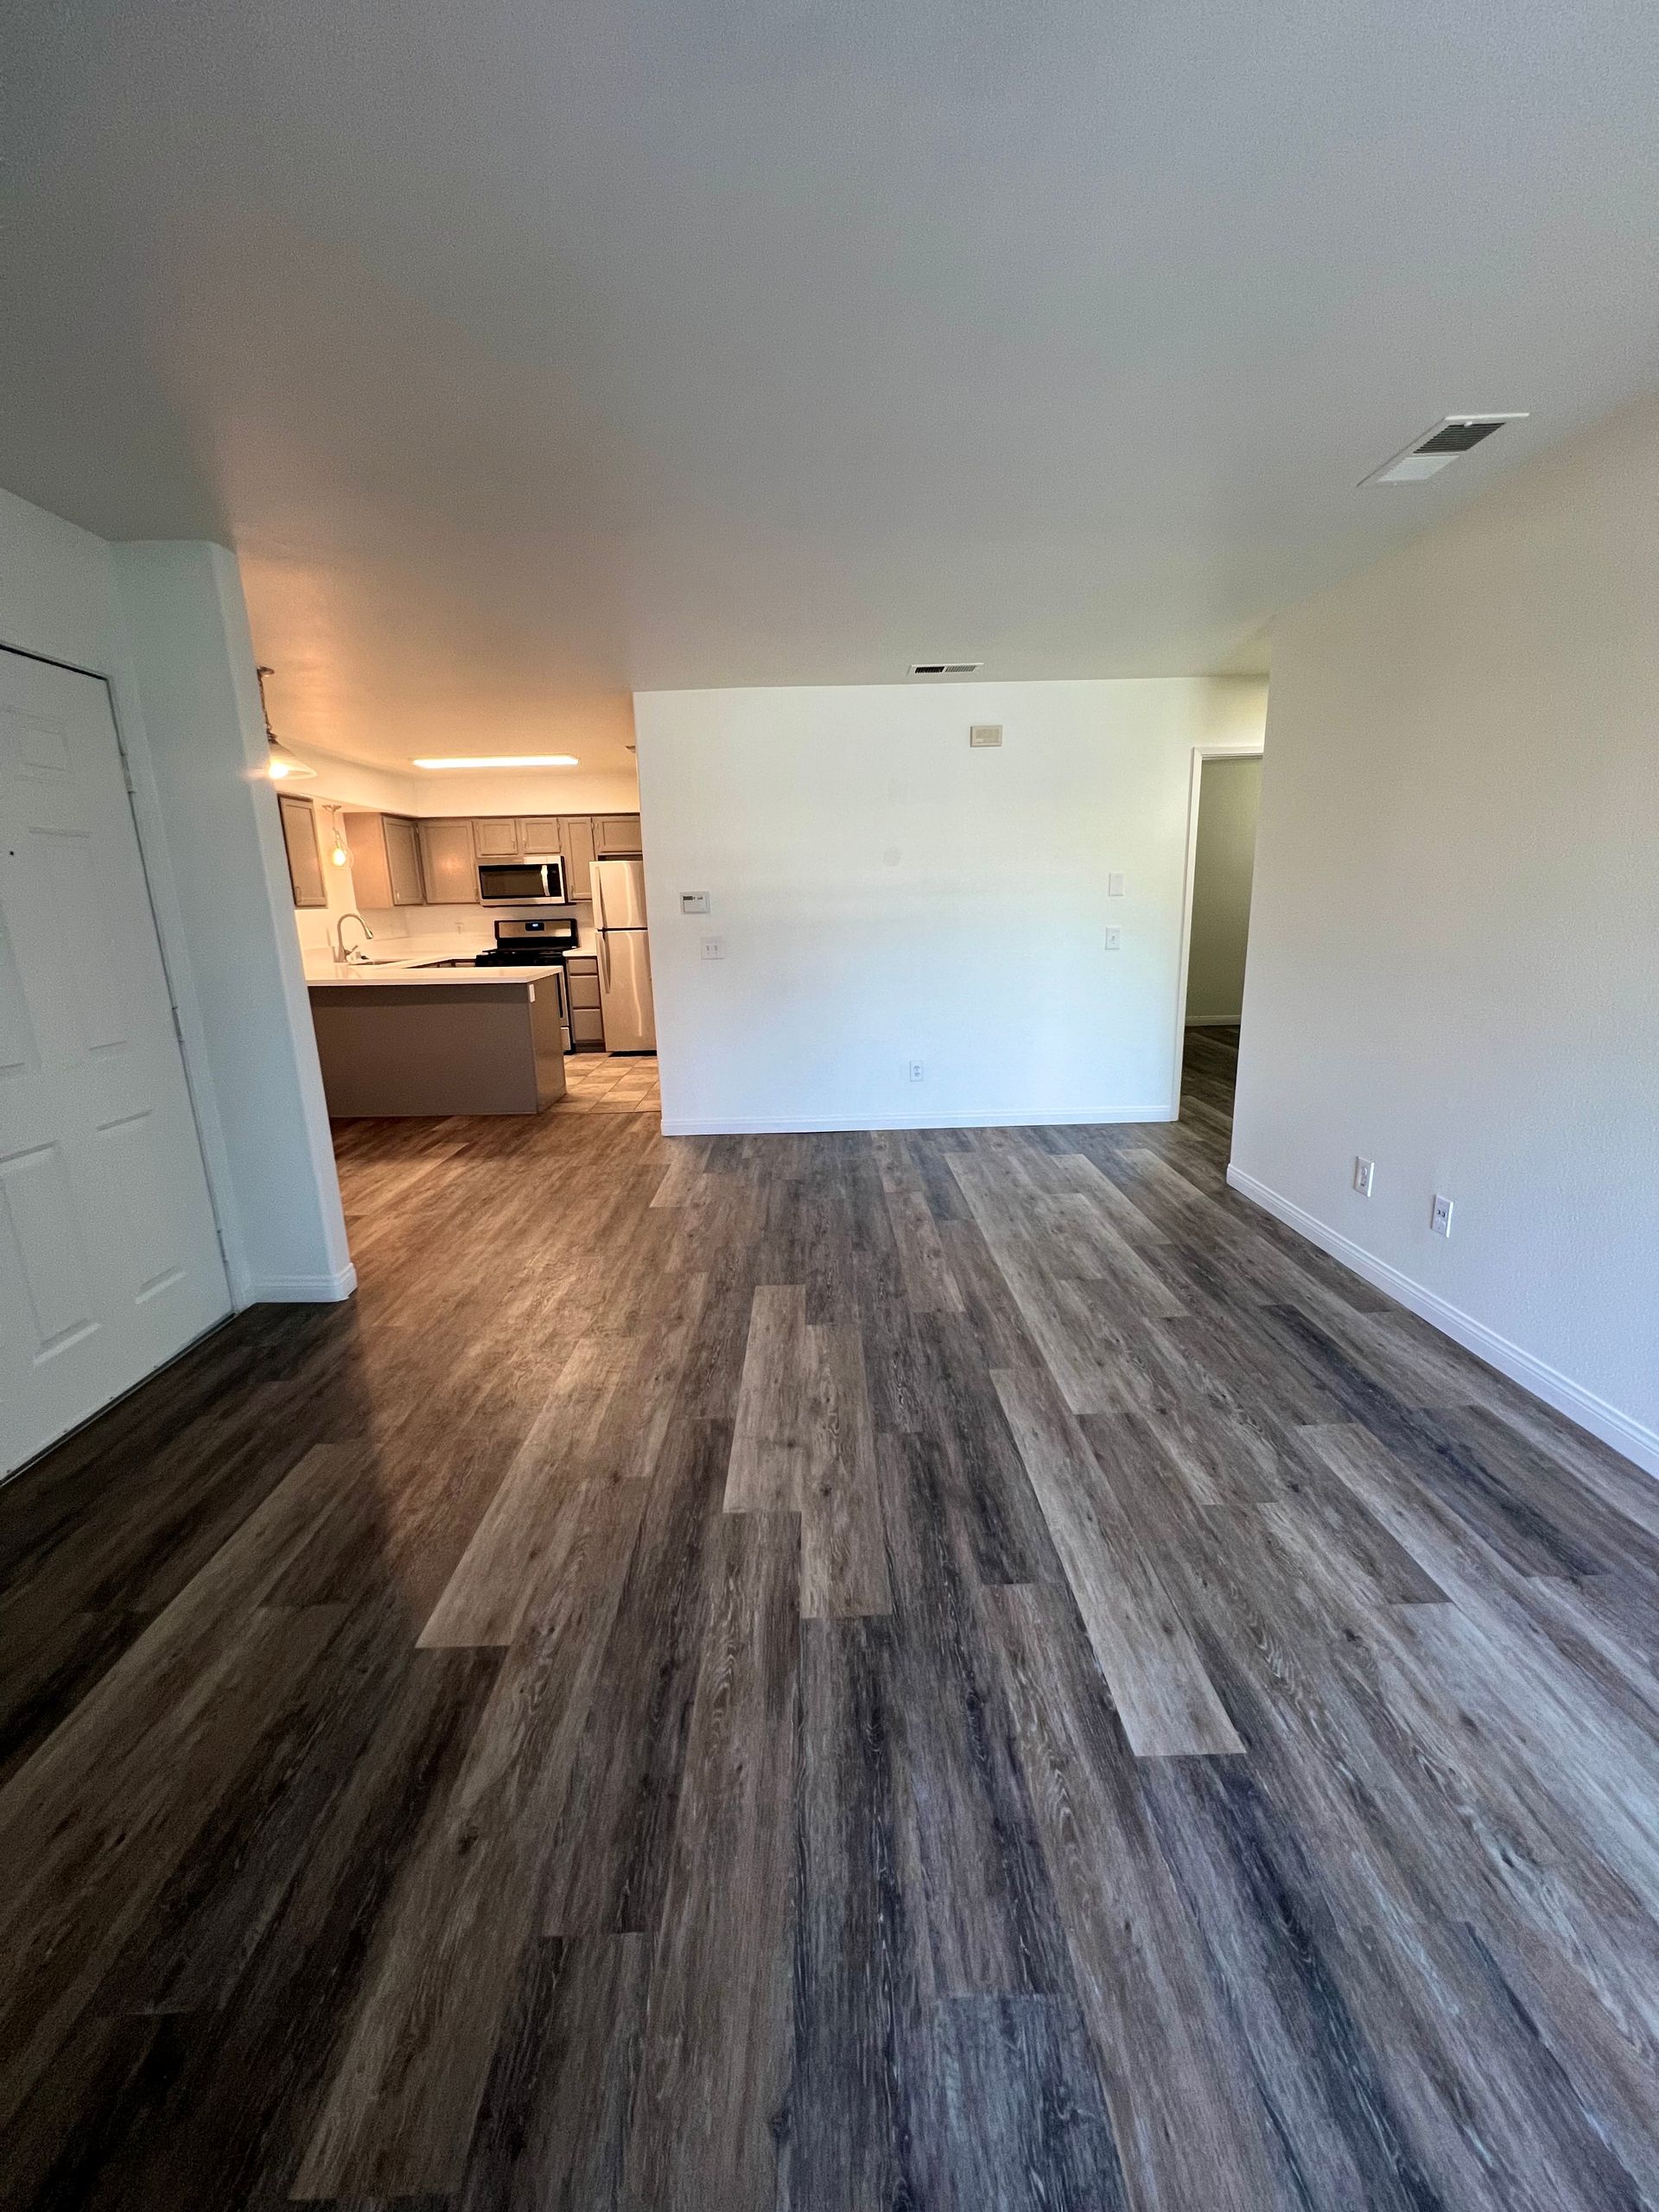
point(945, 667)
point(1427, 455)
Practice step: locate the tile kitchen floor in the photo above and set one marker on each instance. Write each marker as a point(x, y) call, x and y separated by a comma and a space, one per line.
point(613, 1082)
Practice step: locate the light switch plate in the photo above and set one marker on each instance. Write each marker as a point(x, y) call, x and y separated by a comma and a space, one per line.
point(1114, 887)
point(1113, 940)
point(694, 902)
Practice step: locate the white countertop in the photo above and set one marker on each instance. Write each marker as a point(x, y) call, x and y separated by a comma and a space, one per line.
point(412, 973)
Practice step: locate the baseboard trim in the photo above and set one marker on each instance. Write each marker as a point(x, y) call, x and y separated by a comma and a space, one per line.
point(1625, 1434)
point(1006, 1118)
point(301, 1290)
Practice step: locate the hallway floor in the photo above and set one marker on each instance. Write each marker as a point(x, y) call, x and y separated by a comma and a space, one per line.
point(966, 1669)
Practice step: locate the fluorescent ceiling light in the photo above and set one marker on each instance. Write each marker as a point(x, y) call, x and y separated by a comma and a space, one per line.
point(506, 760)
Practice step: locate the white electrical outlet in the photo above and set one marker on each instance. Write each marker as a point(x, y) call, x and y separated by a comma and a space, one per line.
point(1113, 940)
point(1114, 887)
point(1441, 1221)
point(917, 1071)
point(714, 948)
point(1363, 1171)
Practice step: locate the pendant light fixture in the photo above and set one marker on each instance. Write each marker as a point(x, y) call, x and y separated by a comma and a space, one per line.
point(285, 767)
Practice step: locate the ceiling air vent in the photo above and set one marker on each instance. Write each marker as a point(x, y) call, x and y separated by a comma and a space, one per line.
point(945, 667)
point(1435, 448)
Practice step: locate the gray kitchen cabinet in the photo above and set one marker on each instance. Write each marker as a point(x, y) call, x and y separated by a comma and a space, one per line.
point(403, 861)
point(581, 980)
point(615, 833)
point(385, 860)
point(576, 844)
point(538, 834)
point(496, 837)
point(449, 862)
point(299, 820)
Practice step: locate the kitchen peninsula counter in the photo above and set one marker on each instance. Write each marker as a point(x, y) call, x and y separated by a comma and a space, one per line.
point(399, 1039)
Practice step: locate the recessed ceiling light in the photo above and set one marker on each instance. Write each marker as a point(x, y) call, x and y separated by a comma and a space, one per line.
point(1437, 449)
point(945, 667)
point(506, 760)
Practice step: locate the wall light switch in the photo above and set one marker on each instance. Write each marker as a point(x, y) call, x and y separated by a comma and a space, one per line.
point(694, 902)
point(714, 948)
point(1113, 940)
point(1114, 887)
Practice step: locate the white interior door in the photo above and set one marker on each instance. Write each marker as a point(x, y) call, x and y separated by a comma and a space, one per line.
point(109, 1259)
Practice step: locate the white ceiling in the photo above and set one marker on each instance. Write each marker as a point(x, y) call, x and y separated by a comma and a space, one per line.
point(528, 351)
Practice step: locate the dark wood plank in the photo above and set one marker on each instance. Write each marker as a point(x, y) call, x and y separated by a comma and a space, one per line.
point(405, 2088)
point(553, 2125)
point(714, 2067)
point(1023, 2123)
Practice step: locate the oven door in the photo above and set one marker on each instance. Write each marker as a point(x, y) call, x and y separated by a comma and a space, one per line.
point(521, 883)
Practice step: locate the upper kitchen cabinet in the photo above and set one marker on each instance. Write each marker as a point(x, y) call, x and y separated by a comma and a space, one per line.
point(385, 860)
point(538, 834)
point(299, 819)
point(449, 862)
point(497, 837)
point(576, 844)
point(615, 833)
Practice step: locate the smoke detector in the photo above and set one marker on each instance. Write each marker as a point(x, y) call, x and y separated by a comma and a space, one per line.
point(1435, 449)
point(945, 667)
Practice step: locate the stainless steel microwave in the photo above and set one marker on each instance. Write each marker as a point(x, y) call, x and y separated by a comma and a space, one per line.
point(522, 883)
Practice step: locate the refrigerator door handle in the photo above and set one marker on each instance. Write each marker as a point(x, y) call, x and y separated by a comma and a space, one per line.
point(598, 887)
point(605, 960)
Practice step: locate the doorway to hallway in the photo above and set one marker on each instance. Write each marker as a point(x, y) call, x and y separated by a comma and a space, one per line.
point(1225, 800)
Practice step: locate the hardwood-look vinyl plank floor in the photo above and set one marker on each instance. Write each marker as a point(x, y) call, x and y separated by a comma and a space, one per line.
point(964, 1670)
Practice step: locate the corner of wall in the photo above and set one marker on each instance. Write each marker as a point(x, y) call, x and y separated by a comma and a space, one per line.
point(248, 1044)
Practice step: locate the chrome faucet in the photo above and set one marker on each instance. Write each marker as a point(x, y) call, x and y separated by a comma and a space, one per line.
point(357, 951)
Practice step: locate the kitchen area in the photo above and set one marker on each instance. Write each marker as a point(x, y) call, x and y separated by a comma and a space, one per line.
point(471, 963)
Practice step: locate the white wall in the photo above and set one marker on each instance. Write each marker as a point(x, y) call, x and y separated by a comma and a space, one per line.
point(59, 597)
point(1223, 861)
point(884, 894)
point(1454, 956)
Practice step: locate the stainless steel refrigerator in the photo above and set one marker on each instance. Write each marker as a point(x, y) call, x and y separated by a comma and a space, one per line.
point(624, 999)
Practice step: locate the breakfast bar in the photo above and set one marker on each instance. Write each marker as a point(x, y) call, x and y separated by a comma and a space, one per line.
point(398, 1040)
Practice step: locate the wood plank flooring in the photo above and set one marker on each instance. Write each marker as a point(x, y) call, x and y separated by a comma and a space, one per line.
point(965, 1671)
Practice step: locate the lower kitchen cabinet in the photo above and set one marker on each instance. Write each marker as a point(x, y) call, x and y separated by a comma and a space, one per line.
point(586, 1022)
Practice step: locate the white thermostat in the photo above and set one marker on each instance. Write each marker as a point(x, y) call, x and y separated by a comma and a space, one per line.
point(985, 734)
point(694, 902)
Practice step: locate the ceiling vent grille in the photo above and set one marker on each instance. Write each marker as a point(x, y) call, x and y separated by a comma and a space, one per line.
point(945, 667)
point(1437, 449)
